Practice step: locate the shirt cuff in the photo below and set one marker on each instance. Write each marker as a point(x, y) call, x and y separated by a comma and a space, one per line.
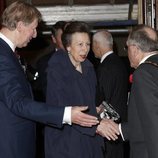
point(120, 129)
point(67, 115)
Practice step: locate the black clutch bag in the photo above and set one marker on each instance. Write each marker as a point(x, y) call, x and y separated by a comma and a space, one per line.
point(107, 111)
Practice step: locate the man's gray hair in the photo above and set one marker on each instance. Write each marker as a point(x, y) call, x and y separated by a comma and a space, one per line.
point(141, 37)
point(105, 36)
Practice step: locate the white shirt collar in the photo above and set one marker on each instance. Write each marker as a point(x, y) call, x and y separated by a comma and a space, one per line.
point(105, 55)
point(145, 58)
point(11, 45)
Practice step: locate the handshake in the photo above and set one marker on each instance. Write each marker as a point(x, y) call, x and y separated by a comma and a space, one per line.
point(108, 117)
point(108, 126)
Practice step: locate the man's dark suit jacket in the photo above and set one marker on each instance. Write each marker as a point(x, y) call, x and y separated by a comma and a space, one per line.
point(113, 88)
point(142, 127)
point(18, 110)
point(42, 66)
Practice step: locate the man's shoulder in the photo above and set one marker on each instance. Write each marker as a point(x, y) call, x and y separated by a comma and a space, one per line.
point(153, 58)
point(4, 47)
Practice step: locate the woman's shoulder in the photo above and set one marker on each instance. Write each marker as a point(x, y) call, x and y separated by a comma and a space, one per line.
point(58, 57)
point(60, 53)
point(87, 63)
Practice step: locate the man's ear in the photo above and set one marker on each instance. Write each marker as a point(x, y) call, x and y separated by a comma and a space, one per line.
point(20, 26)
point(68, 49)
point(136, 51)
point(95, 42)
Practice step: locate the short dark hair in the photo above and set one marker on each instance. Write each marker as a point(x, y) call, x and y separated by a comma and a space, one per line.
point(73, 27)
point(58, 25)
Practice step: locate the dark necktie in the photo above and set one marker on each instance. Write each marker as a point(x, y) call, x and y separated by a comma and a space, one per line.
point(19, 59)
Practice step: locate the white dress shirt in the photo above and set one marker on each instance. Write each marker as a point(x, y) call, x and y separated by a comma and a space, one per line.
point(105, 55)
point(9, 42)
point(145, 58)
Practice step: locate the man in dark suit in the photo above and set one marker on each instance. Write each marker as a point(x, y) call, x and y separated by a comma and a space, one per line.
point(42, 63)
point(112, 85)
point(18, 110)
point(142, 127)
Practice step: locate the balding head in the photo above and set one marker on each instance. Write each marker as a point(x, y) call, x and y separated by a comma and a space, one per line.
point(102, 43)
point(142, 42)
point(144, 37)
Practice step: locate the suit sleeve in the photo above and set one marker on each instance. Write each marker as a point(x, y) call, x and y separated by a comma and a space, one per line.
point(15, 95)
point(147, 106)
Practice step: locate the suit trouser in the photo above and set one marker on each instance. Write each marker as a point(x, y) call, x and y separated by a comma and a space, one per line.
point(138, 150)
point(114, 149)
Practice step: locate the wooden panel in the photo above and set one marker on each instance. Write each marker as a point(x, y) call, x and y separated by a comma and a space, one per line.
point(80, 2)
point(91, 13)
point(50, 2)
point(100, 1)
point(140, 11)
point(66, 2)
point(156, 14)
